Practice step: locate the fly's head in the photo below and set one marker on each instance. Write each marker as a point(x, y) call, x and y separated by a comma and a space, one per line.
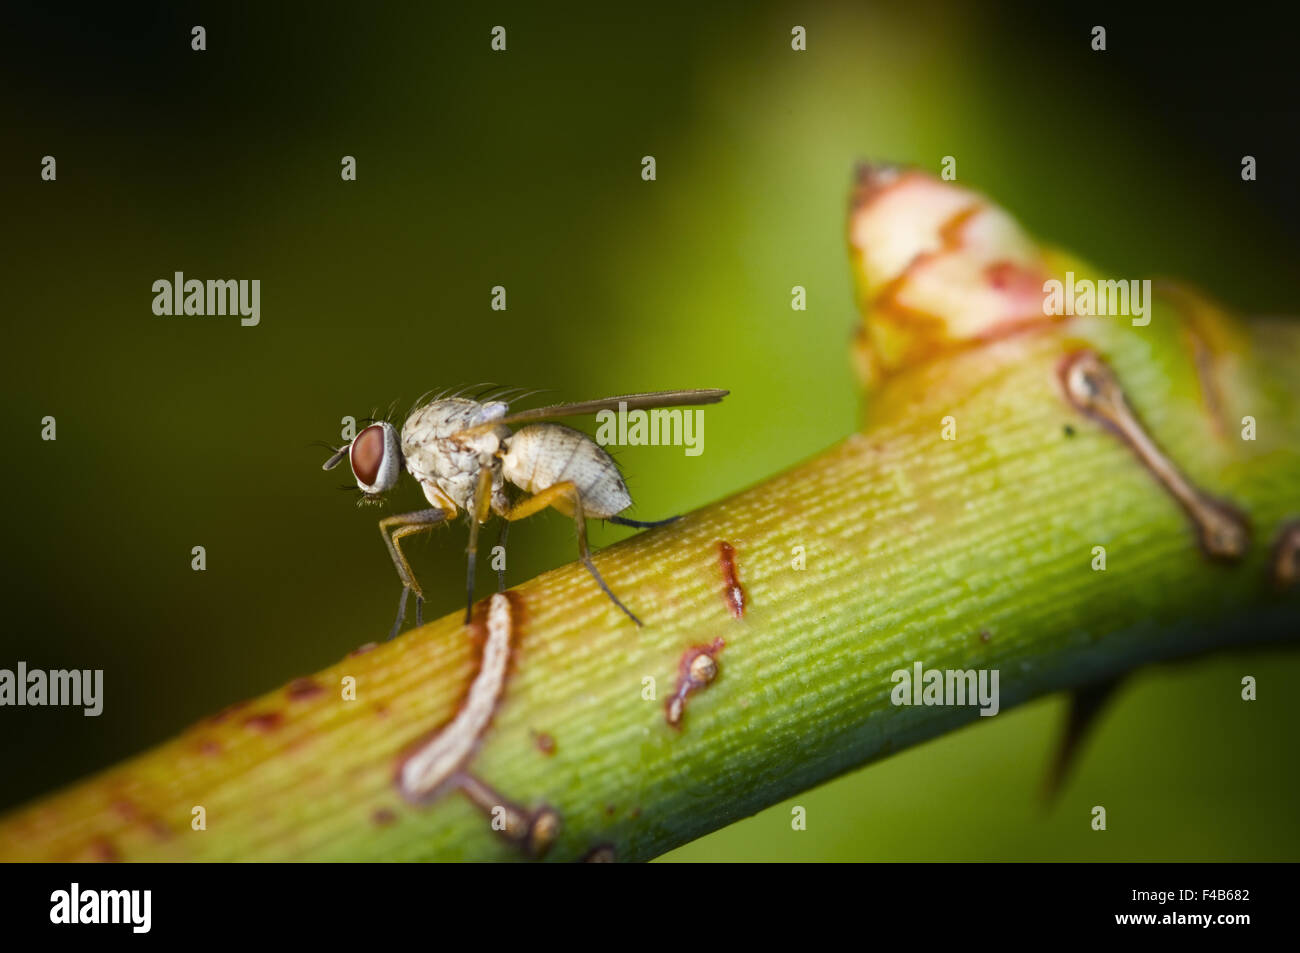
point(375, 455)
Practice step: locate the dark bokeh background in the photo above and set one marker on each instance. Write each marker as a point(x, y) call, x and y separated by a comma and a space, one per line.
point(523, 169)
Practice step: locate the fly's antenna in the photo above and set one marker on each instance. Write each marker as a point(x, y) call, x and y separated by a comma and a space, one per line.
point(336, 453)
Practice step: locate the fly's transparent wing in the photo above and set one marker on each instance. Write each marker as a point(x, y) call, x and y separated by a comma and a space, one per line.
point(662, 398)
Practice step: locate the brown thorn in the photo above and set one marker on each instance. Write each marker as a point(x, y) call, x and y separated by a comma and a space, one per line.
point(534, 831)
point(1092, 387)
point(1085, 705)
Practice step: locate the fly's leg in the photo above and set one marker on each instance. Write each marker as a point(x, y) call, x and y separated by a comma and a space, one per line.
point(393, 529)
point(501, 509)
point(480, 509)
point(501, 541)
point(642, 524)
point(566, 498)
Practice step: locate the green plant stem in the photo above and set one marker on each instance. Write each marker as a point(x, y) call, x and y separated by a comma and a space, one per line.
point(964, 554)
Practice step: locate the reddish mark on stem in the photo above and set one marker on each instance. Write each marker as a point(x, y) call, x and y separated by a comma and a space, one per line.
point(303, 688)
point(363, 649)
point(696, 670)
point(128, 812)
point(383, 816)
point(209, 747)
point(545, 743)
point(733, 593)
point(265, 722)
point(104, 851)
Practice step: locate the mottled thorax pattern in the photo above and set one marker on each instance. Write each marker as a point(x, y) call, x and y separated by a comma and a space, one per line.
point(453, 465)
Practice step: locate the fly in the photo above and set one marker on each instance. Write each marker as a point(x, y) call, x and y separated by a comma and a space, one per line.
point(463, 453)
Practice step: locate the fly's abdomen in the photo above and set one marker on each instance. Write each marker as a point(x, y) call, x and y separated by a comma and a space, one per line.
point(542, 455)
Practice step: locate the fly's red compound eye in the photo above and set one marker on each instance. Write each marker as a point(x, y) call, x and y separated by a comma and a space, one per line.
point(376, 457)
point(368, 454)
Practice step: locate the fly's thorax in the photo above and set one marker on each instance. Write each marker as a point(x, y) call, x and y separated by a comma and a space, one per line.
point(541, 455)
point(441, 419)
point(438, 452)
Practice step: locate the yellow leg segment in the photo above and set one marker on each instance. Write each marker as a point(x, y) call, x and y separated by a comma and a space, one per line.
point(394, 529)
point(566, 498)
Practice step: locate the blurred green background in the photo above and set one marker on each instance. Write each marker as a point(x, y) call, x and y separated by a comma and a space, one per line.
point(523, 169)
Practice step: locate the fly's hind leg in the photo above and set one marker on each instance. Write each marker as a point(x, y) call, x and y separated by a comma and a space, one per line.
point(642, 524)
point(480, 509)
point(566, 498)
point(393, 529)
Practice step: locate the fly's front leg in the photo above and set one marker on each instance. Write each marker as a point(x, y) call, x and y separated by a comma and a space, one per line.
point(480, 509)
point(394, 528)
point(566, 498)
